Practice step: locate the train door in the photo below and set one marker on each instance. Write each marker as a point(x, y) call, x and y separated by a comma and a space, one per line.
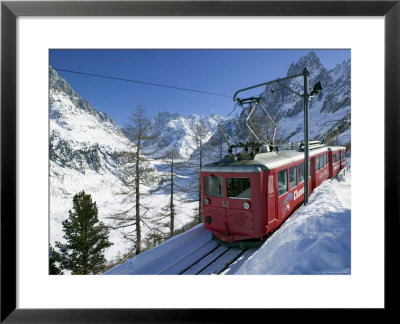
point(313, 170)
point(343, 159)
point(284, 196)
point(243, 204)
point(272, 216)
point(330, 162)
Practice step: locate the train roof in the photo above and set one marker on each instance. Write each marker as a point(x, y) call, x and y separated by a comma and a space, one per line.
point(336, 148)
point(260, 161)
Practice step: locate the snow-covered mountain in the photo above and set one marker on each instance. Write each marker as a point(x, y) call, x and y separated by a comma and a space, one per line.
point(83, 145)
point(83, 148)
point(81, 138)
point(329, 114)
point(173, 130)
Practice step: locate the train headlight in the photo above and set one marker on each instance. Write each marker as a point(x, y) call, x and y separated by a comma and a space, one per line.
point(206, 201)
point(246, 205)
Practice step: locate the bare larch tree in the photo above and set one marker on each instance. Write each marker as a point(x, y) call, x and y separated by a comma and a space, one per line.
point(136, 171)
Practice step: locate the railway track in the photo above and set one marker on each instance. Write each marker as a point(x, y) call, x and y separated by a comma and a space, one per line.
point(209, 258)
point(214, 262)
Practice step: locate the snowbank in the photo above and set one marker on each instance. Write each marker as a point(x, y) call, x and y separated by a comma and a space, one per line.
point(166, 254)
point(315, 240)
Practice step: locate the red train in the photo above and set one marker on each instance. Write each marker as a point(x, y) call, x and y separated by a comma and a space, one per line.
point(248, 195)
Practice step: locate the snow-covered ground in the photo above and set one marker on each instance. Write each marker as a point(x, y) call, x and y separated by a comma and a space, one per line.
point(316, 239)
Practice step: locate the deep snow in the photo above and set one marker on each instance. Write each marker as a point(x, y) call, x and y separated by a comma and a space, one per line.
point(316, 239)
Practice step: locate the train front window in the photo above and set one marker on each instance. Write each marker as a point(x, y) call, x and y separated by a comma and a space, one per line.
point(213, 186)
point(238, 188)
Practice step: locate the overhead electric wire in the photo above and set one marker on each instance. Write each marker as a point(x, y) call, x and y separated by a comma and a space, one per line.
point(140, 82)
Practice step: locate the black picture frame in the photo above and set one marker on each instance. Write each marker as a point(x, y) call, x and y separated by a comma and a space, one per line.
point(10, 10)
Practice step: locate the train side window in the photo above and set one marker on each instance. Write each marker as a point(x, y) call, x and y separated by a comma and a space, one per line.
point(238, 188)
point(316, 163)
point(301, 172)
point(326, 159)
point(321, 162)
point(213, 186)
point(293, 177)
point(282, 182)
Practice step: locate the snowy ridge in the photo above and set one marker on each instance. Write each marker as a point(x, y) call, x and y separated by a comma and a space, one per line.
point(174, 131)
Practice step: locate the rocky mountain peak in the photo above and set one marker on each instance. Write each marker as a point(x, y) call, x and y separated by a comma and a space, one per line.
point(312, 62)
point(58, 85)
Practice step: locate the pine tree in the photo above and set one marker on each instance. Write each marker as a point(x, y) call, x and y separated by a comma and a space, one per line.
point(54, 257)
point(86, 238)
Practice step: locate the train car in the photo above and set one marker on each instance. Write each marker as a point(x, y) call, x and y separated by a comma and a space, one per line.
point(337, 159)
point(248, 195)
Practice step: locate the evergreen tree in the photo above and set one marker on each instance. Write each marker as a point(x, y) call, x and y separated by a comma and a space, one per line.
point(54, 257)
point(86, 238)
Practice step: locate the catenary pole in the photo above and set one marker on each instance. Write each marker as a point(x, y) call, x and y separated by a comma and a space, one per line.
point(306, 97)
point(306, 74)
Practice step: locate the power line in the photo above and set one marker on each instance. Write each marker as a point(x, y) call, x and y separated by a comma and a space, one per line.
point(141, 82)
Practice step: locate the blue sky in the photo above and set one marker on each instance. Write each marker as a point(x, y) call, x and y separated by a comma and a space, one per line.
point(217, 71)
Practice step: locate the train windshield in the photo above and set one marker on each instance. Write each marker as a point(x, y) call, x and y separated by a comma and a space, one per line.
point(213, 186)
point(238, 188)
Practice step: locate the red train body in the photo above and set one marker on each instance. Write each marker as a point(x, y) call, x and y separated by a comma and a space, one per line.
point(247, 196)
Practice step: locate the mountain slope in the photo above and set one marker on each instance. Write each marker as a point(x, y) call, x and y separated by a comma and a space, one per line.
point(84, 145)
